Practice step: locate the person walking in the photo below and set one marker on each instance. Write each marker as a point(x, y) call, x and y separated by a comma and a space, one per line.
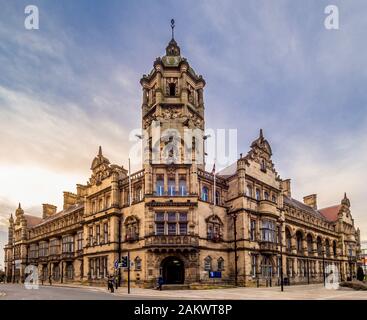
point(116, 281)
point(50, 280)
point(110, 284)
point(160, 283)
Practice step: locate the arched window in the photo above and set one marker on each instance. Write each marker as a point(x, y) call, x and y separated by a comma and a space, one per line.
point(159, 189)
point(132, 228)
point(319, 246)
point(69, 271)
point(268, 230)
point(182, 186)
point(171, 186)
point(137, 262)
point(299, 239)
point(288, 238)
point(266, 195)
point(334, 248)
point(249, 191)
point(258, 194)
point(138, 194)
point(205, 194)
point(217, 197)
point(266, 267)
point(208, 264)
point(220, 263)
point(327, 247)
point(214, 228)
point(309, 244)
point(172, 89)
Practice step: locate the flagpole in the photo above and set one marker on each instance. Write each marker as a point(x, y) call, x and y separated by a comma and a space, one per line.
point(215, 186)
point(129, 184)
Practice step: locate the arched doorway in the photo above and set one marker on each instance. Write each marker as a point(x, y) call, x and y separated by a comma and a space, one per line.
point(173, 270)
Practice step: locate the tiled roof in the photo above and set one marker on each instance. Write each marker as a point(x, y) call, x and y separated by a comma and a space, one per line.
point(300, 205)
point(60, 214)
point(32, 220)
point(331, 213)
point(228, 171)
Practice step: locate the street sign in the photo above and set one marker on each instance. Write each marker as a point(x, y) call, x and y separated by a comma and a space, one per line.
point(124, 261)
point(116, 264)
point(215, 274)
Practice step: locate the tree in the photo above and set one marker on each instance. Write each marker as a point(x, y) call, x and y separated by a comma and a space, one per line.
point(360, 274)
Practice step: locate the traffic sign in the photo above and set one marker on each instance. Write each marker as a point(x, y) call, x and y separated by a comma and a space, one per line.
point(116, 264)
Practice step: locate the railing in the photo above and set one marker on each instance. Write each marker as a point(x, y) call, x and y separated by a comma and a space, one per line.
point(52, 257)
point(131, 238)
point(67, 255)
point(171, 240)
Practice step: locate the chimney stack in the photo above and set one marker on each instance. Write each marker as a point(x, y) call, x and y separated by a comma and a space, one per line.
point(69, 199)
point(311, 201)
point(286, 187)
point(48, 210)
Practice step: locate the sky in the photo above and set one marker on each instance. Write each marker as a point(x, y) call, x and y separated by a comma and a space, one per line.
point(73, 85)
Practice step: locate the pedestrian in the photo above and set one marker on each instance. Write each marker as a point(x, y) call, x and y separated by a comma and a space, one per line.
point(50, 280)
point(116, 281)
point(110, 284)
point(160, 283)
point(41, 279)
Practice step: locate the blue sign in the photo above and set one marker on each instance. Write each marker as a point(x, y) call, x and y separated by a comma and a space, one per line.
point(116, 264)
point(215, 274)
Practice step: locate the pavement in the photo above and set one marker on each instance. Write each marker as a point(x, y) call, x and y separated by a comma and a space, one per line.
point(77, 292)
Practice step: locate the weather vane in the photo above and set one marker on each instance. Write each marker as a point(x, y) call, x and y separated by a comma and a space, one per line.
point(173, 27)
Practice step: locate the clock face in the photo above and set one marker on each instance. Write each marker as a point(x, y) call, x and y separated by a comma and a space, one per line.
point(172, 61)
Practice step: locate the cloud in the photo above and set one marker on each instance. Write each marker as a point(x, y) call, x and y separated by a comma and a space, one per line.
point(74, 85)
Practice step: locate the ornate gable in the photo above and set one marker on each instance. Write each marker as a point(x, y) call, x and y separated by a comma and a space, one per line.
point(261, 153)
point(102, 169)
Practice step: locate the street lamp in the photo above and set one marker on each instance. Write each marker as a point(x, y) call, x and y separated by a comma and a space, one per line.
point(323, 266)
point(234, 216)
point(281, 221)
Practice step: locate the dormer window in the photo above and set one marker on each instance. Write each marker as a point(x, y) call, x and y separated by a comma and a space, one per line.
point(172, 89)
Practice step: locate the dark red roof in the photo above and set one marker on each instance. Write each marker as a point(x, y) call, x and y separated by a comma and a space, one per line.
point(331, 213)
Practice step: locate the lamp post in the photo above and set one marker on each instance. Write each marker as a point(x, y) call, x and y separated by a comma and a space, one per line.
point(234, 216)
point(281, 221)
point(323, 266)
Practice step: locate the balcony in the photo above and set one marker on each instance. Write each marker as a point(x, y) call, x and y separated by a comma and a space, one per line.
point(268, 247)
point(54, 257)
point(171, 241)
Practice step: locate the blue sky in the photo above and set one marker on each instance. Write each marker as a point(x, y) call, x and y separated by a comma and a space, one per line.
point(73, 85)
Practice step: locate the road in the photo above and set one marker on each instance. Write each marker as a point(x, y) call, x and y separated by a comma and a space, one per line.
point(301, 292)
point(19, 292)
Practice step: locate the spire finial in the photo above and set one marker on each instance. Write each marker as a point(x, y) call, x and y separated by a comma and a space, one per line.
point(100, 151)
point(19, 206)
point(261, 133)
point(345, 195)
point(173, 27)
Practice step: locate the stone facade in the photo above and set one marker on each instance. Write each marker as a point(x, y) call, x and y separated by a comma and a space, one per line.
point(169, 218)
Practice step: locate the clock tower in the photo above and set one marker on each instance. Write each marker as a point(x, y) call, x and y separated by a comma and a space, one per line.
point(172, 115)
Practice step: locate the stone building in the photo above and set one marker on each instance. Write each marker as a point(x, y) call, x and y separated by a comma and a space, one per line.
point(179, 221)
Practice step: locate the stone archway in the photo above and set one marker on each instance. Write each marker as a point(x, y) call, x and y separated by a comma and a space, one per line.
point(173, 270)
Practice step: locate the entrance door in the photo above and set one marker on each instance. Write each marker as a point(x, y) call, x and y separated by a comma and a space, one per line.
point(173, 271)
